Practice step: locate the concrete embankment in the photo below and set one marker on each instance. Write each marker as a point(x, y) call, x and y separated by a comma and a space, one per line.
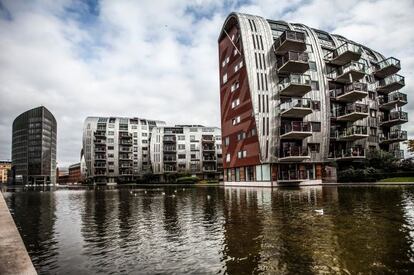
point(14, 258)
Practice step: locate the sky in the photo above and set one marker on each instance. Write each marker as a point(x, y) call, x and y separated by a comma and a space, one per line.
point(156, 59)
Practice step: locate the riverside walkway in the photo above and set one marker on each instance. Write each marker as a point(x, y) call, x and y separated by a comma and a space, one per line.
point(14, 258)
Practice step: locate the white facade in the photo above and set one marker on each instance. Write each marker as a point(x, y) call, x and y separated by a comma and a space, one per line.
point(192, 149)
point(116, 148)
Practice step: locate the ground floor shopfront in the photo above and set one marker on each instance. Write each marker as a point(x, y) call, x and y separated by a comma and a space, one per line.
point(272, 174)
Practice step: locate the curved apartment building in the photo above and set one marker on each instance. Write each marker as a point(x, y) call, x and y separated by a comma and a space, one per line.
point(295, 99)
point(34, 147)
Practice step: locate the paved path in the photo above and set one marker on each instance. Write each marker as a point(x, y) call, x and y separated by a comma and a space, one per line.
point(14, 258)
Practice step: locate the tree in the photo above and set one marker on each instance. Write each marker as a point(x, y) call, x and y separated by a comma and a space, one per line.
point(380, 159)
point(410, 145)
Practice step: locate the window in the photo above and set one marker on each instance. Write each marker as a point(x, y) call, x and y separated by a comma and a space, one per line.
point(144, 141)
point(316, 126)
point(192, 146)
point(241, 135)
point(237, 67)
point(226, 141)
point(134, 127)
point(371, 95)
point(181, 156)
point(225, 61)
point(316, 105)
point(110, 147)
point(181, 137)
point(312, 66)
point(315, 85)
point(192, 138)
point(253, 132)
point(110, 155)
point(234, 86)
point(135, 134)
point(111, 133)
point(224, 78)
point(241, 154)
point(228, 158)
point(235, 103)
point(236, 120)
point(373, 113)
point(144, 134)
point(110, 140)
point(235, 52)
point(314, 147)
point(182, 146)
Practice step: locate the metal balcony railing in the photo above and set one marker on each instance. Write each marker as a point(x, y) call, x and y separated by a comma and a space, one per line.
point(387, 67)
point(397, 136)
point(296, 103)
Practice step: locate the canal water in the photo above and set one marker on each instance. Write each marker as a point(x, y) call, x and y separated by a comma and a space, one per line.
point(216, 230)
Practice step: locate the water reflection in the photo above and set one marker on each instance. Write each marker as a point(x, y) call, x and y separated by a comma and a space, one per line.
point(188, 229)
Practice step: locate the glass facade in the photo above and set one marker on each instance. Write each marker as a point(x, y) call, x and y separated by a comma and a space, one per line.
point(34, 147)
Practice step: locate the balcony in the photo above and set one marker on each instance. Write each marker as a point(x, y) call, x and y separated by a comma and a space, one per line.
point(351, 72)
point(125, 142)
point(344, 54)
point(290, 41)
point(209, 159)
point(353, 112)
point(169, 139)
point(294, 154)
point(169, 159)
point(100, 134)
point(392, 101)
point(353, 133)
point(296, 130)
point(296, 108)
point(209, 148)
point(100, 149)
point(169, 149)
point(355, 153)
point(207, 139)
point(394, 118)
point(296, 85)
point(387, 67)
point(390, 84)
point(125, 157)
point(292, 62)
point(393, 137)
point(125, 135)
point(352, 92)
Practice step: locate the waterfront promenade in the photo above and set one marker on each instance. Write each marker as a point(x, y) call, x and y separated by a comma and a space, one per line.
point(14, 258)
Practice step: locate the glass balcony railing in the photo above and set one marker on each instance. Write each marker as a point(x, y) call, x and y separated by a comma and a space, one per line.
point(353, 131)
point(295, 85)
point(345, 53)
point(391, 83)
point(290, 40)
point(292, 57)
point(296, 126)
point(394, 118)
point(391, 61)
point(392, 98)
point(296, 103)
point(352, 71)
point(352, 108)
point(354, 152)
point(387, 67)
point(397, 136)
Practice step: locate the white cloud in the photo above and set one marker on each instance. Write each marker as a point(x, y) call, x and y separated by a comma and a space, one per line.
point(153, 59)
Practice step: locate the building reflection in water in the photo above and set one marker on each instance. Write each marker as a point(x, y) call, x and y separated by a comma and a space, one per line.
point(218, 230)
point(34, 214)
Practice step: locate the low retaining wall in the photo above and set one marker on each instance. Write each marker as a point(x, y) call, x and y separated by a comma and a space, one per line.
point(14, 258)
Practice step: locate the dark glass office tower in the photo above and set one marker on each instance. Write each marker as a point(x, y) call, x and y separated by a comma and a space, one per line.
point(34, 147)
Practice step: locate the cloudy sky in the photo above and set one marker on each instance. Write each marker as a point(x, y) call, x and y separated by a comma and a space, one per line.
point(155, 59)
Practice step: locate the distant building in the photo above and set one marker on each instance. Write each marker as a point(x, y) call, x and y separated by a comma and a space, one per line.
point(192, 149)
point(116, 149)
point(75, 175)
point(5, 171)
point(297, 102)
point(34, 147)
